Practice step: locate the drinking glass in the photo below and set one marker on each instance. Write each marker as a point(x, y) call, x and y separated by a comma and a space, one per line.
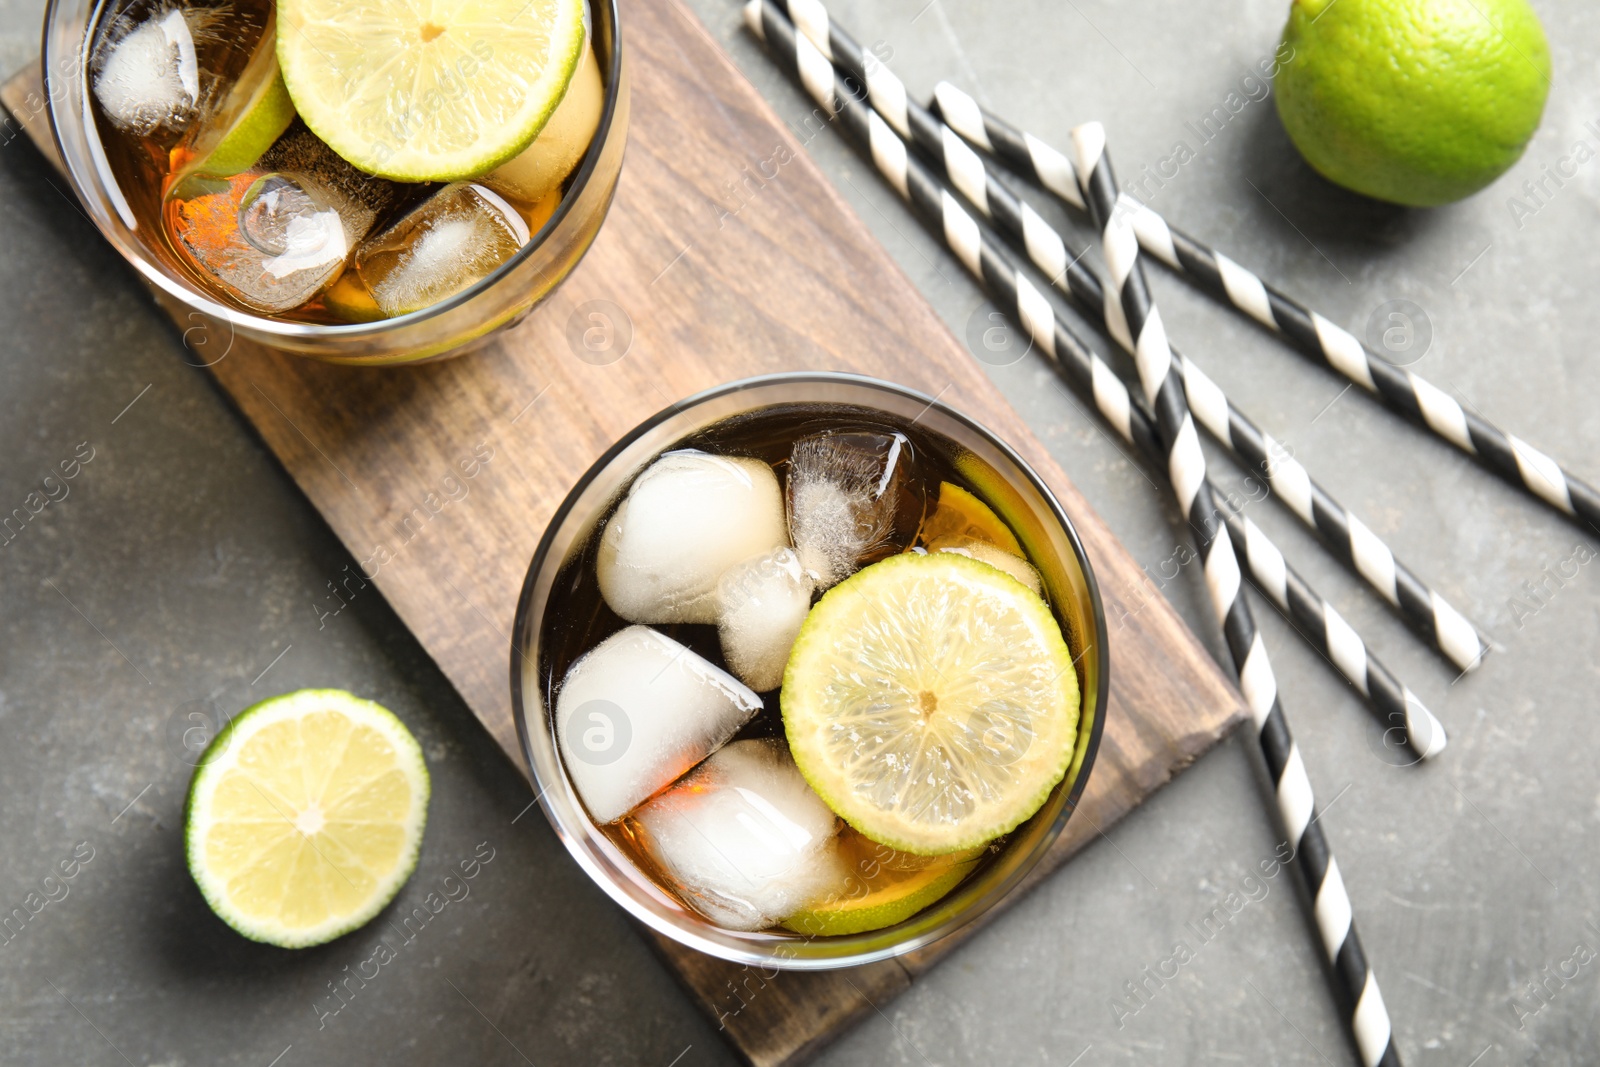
point(451, 327)
point(1012, 489)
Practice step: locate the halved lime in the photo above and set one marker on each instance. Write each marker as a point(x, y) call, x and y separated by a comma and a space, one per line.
point(885, 887)
point(931, 702)
point(428, 91)
point(305, 816)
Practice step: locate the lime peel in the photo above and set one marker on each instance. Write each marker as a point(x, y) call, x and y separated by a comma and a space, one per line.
point(889, 897)
point(1418, 102)
point(248, 122)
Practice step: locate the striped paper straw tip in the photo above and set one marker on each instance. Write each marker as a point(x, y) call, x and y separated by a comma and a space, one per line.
point(1038, 161)
point(1327, 631)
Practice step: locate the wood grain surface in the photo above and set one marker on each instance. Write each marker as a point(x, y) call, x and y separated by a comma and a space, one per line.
point(727, 254)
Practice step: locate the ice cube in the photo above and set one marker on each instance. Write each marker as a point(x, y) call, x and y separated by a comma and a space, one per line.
point(541, 167)
point(277, 233)
point(853, 498)
point(299, 151)
point(455, 238)
point(149, 77)
point(637, 711)
point(688, 518)
point(743, 839)
point(285, 218)
point(996, 557)
point(761, 604)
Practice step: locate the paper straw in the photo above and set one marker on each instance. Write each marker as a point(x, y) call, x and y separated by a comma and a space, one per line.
point(1308, 332)
point(1186, 466)
point(1328, 632)
point(1351, 540)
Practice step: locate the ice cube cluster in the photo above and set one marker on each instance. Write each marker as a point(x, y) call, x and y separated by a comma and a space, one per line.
point(743, 839)
point(279, 232)
point(636, 712)
point(644, 722)
point(702, 538)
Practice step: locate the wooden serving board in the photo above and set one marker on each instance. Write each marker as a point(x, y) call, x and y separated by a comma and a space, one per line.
point(712, 291)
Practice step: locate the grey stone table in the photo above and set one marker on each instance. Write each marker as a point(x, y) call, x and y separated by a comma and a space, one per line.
point(181, 568)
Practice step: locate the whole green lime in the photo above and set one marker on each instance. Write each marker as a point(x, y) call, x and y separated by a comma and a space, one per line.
point(1419, 102)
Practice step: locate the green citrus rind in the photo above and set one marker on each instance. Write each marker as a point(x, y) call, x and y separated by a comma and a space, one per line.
point(258, 128)
point(221, 758)
point(882, 909)
point(1417, 102)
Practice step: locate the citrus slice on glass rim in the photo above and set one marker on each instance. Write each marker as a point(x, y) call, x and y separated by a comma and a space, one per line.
point(429, 91)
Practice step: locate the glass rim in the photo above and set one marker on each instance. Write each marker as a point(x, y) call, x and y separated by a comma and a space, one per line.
point(292, 329)
point(871, 948)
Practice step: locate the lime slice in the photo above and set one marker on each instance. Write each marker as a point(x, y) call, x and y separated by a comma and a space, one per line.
point(931, 702)
point(266, 114)
point(429, 92)
point(245, 124)
point(885, 887)
point(305, 816)
point(959, 514)
point(998, 558)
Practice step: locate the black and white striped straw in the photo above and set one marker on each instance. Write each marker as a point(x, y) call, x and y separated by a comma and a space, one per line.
point(1369, 1019)
point(1307, 331)
point(981, 252)
point(1352, 540)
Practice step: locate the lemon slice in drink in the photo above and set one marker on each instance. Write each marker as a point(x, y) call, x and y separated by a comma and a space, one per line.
point(885, 887)
point(305, 816)
point(433, 90)
point(239, 128)
point(960, 514)
point(931, 702)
